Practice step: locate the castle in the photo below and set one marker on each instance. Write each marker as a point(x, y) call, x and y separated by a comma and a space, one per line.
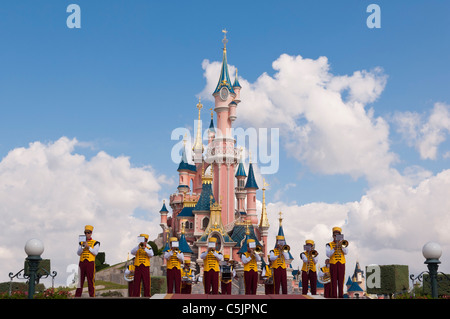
point(216, 194)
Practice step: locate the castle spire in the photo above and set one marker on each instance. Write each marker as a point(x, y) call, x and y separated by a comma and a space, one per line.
point(198, 145)
point(224, 79)
point(264, 222)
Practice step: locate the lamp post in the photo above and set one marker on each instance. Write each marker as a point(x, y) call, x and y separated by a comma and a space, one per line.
point(33, 248)
point(432, 252)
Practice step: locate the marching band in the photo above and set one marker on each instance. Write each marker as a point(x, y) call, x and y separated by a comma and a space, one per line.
point(220, 270)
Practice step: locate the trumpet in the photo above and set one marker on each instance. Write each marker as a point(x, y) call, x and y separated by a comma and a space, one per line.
point(286, 248)
point(258, 249)
point(314, 253)
point(344, 243)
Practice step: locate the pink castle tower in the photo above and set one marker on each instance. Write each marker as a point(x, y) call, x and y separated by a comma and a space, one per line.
point(222, 154)
point(215, 197)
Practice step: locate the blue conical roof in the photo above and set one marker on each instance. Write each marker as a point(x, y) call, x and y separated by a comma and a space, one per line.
point(224, 79)
point(241, 170)
point(164, 208)
point(184, 246)
point(184, 164)
point(251, 182)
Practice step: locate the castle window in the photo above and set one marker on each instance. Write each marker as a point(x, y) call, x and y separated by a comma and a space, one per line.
point(205, 222)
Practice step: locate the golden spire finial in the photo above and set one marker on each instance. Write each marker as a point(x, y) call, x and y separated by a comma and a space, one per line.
point(225, 40)
point(280, 219)
point(199, 105)
point(212, 113)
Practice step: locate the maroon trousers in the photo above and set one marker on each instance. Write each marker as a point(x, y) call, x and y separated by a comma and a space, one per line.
point(211, 282)
point(310, 278)
point(173, 277)
point(86, 270)
point(280, 279)
point(327, 290)
point(337, 274)
point(225, 288)
point(268, 289)
point(141, 274)
point(186, 289)
point(251, 282)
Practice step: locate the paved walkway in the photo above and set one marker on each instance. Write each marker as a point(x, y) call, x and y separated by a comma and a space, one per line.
point(203, 296)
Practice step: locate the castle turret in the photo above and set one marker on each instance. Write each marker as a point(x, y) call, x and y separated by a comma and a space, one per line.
point(240, 190)
point(251, 188)
point(163, 212)
point(186, 172)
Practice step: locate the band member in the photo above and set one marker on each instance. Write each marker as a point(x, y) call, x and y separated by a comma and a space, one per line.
point(227, 273)
point(267, 277)
point(87, 250)
point(129, 271)
point(309, 273)
point(211, 270)
point(187, 277)
point(278, 257)
point(336, 251)
point(174, 259)
point(129, 276)
point(250, 259)
point(324, 272)
point(142, 253)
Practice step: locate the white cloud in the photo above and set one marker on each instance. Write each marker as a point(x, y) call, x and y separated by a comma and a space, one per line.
point(425, 134)
point(388, 225)
point(326, 123)
point(322, 117)
point(49, 192)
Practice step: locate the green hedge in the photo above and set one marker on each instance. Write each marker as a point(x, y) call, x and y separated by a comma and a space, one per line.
point(393, 279)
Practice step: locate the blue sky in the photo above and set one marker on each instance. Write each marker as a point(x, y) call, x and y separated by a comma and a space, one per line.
point(134, 70)
point(133, 73)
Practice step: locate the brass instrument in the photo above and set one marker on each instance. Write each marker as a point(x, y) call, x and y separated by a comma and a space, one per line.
point(325, 278)
point(286, 248)
point(342, 243)
point(258, 249)
point(129, 275)
point(82, 240)
point(314, 253)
